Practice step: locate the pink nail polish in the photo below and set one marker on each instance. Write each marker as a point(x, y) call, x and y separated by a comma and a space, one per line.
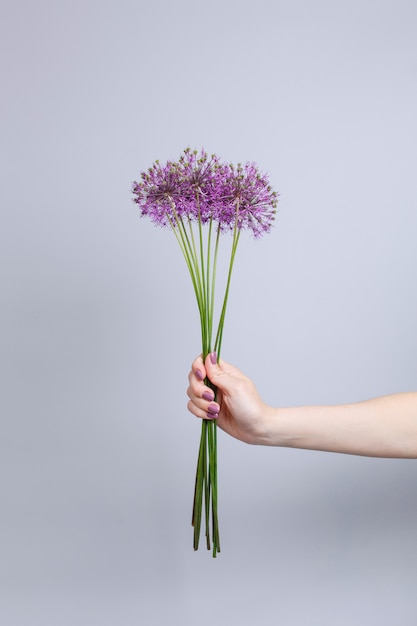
point(208, 395)
point(213, 358)
point(198, 374)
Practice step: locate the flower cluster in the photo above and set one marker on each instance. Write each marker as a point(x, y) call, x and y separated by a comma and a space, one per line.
point(201, 188)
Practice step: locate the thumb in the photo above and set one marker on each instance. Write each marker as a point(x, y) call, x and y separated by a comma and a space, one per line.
point(218, 373)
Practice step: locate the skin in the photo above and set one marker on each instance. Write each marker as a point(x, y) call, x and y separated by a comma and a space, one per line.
point(380, 427)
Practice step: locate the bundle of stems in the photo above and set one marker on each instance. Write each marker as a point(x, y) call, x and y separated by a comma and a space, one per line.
point(200, 251)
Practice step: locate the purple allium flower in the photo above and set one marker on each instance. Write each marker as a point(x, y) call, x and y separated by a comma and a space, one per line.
point(201, 188)
point(200, 175)
point(159, 192)
point(247, 200)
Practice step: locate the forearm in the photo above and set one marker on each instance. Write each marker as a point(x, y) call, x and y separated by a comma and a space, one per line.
point(383, 427)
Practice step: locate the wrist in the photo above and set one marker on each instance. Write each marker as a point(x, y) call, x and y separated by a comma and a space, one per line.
point(268, 434)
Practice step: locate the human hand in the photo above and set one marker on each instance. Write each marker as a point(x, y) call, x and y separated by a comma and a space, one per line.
point(238, 408)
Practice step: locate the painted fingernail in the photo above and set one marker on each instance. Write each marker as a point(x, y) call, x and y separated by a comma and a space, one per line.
point(198, 374)
point(213, 358)
point(212, 416)
point(208, 395)
point(212, 408)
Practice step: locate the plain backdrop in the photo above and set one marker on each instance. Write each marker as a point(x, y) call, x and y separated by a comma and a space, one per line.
point(99, 324)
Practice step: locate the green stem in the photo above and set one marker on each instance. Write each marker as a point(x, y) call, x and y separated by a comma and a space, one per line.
point(190, 256)
point(213, 281)
point(199, 486)
point(209, 289)
point(204, 285)
point(212, 446)
point(194, 257)
point(219, 335)
point(181, 236)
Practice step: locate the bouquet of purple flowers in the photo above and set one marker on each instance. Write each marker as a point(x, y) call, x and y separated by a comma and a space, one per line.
point(199, 198)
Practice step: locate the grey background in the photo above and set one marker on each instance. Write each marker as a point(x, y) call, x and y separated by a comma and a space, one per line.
point(99, 326)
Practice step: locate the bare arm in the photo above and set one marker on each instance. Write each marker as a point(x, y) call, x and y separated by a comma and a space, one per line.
point(383, 427)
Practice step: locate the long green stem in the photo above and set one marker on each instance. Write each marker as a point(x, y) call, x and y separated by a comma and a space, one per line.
point(213, 280)
point(219, 335)
point(191, 247)
point(190, 255)
point(198, 492)
point(212, 446)
point(205, 332)
point(209, 289)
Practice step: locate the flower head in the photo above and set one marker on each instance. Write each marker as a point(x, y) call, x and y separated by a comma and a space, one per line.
point(246, 200)
point(158, 192)
point(201, 175)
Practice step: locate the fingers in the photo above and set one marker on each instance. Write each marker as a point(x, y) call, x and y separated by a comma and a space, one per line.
point(198, 369)
point(201, 402)
point(203, 407)
point(226, 378)
point(209, 411)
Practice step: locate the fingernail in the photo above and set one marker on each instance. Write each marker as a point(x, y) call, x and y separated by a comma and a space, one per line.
point(212, 416)
point(208, 395)
point(213, 358)
point(198, 374)
point(212, 408)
